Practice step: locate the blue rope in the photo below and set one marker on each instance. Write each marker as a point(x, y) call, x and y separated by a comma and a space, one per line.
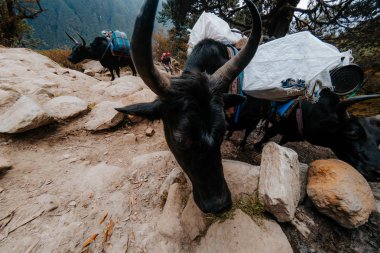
point(240, 85)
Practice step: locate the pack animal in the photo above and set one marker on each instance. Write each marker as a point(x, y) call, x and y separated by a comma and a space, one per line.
point(325, 123)
point(100, 51)
point(191, 107)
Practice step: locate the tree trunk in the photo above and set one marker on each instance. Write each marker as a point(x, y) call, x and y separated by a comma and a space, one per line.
point(279, 19)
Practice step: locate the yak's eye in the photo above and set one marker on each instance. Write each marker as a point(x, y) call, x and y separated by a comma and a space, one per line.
point(182, 140)
point(352, 134)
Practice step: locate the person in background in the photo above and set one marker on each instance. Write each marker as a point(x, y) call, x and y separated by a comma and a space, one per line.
point(167, 62)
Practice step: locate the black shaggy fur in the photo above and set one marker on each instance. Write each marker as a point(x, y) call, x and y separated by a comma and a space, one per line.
point(99, 51)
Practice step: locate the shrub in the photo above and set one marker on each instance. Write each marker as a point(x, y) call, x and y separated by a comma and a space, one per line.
point(60, 57)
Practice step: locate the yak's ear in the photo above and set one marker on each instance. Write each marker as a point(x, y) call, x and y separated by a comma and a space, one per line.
point(150, 111)
point(231, 100)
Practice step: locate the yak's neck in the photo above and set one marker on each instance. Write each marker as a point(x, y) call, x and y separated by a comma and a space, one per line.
point(95, 55)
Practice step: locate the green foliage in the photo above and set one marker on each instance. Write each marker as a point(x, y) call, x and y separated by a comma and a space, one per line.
point(249, 204)
point(321, 17)
point(364, 41)
point(173, 42)
point(14, 30)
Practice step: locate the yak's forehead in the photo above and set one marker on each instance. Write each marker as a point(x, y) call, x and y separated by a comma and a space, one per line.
point(191, 94)
point(193, 110)
point(191, 84)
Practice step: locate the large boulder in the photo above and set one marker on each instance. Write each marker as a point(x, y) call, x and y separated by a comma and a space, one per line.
point(64, 107)
point(340, 192)
point(124, 86)
point(24, 115)
point(243, 235)
point(104, 116)
point(93, 67)
point(193, 219)
point(141, 96)
point(169, 223)
point(242, 178)
point(279, 185)
point(7, 97)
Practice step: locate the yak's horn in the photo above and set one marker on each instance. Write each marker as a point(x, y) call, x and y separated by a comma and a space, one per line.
point(141, 50)
point(231, 69)
point(343, 105)
point(74, 40)
point(83, 41)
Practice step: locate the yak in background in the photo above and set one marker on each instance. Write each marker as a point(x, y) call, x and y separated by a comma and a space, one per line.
point(192, 109)
point(99, 50)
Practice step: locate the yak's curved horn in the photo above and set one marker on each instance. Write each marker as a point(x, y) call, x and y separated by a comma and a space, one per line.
point(343, 105)
point(231, 69)
point(74, 40)
point(141, 50)
point(83, 41)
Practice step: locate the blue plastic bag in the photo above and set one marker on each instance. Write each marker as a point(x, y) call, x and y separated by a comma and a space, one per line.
point(119, 44)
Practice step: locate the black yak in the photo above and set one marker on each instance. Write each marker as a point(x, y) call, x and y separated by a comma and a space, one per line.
point(192, 108)
point(99, 50)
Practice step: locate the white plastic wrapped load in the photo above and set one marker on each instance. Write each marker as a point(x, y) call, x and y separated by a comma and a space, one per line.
point(281, 67)
point(209, 26)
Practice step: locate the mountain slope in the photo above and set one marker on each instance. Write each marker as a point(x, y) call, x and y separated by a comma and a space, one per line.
point(85, 17)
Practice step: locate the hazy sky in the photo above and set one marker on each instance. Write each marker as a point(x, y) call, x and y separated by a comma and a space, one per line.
point(303, 4)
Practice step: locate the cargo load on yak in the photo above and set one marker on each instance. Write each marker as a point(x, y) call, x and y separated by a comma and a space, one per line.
point(289, 67)
point(118, 42)
point(209, 26)
point(292, 66)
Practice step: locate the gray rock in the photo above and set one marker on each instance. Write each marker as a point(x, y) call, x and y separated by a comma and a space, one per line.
point(93, 66)
point(242, 178)
point(175, 176)
point(5, 164)
point(160, 160)
point(279, 186)
point(375, 187)
point(130, 139)
point(98, 178)
point(64, 107)
point(7, 97)
point(123, 87)
point(24, 115)
point(304, 168)
point(193, 219)
point(378, 206)
point(104, 116)
point(242, 235)
point(169, 224)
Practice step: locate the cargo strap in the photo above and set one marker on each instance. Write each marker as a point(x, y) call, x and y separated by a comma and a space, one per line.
point(299, 119)
point(105, 51)
point(236, 86)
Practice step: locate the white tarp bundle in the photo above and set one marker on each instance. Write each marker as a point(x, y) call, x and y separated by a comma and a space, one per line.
point(299, 56)
point(209, 26)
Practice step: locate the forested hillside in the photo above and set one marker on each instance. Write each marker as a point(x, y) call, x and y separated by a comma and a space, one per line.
point(82, 16)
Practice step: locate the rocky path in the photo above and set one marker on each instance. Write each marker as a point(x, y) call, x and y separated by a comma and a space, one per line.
point(91, 175)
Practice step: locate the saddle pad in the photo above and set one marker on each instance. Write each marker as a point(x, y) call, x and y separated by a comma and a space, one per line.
point(119, 44)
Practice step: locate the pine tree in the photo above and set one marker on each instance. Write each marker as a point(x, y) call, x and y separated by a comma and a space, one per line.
point(13, 15)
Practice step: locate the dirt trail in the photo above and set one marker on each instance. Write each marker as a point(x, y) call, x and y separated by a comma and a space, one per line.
point(64, 179)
